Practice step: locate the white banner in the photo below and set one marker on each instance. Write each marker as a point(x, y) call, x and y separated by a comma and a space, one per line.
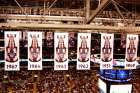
point(11, 51)
point(124, 88)
point(61, 51)
point(83, 51)
point(107, 51)
point(131, 51)
point(34, 50)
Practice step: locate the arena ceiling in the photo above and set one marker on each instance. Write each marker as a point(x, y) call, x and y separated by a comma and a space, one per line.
point(126, 9)
point(74, 4)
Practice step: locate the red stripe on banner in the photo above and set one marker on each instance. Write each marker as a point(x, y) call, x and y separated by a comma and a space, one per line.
point(61, 51)
point(11, 51)
point(131, 51)
point(106, 51)
point(83, 51)
point(34, 50)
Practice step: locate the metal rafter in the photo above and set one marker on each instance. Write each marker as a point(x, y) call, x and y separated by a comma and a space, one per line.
point(20, 6)
point(100, 8)
point(118, 10)
point(52, 4)
point(78, 27)
point(87, 14)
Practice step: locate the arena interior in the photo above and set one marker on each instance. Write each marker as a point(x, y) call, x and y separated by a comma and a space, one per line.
point(118, 17)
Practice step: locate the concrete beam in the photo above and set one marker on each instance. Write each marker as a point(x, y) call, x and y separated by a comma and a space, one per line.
point(39, 17)
point(70, 27)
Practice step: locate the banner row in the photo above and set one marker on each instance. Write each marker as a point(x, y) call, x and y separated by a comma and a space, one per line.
point(61, 51)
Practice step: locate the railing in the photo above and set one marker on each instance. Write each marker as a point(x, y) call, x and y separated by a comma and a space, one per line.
point(60, 12)
point(41, 11)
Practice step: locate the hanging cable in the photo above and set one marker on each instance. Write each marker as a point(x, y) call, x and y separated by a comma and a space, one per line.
point(20, 6)
point(52, 4)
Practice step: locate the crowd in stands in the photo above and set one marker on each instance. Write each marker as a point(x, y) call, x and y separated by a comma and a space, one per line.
point(136, 81)
point(50, 81)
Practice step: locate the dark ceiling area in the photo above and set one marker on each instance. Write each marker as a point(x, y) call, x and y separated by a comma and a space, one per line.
point(57, 4)
point(131, 5)
point(135, 2)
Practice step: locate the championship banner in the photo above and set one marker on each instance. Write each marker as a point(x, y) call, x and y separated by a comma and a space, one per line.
point(123, 40)
point(49, 39)
point(131, 51)
point(72, 40)
point(34, 50)
point(107, 51)
point(12, 51)
point(61, 51)
point(83, 51)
